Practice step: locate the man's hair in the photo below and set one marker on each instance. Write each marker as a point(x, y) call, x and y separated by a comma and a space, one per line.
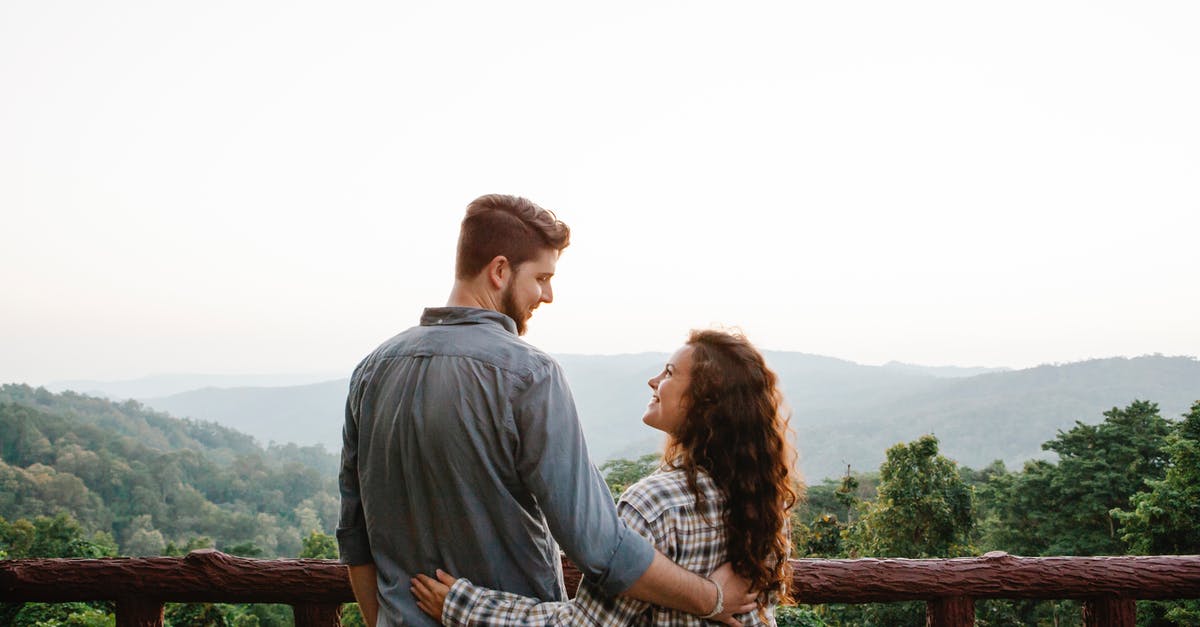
point(498, 224)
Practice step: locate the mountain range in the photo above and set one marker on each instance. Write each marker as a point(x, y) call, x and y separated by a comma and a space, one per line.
point(843, 413)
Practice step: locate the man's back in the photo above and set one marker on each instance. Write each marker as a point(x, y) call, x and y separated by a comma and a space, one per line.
point(463, 451)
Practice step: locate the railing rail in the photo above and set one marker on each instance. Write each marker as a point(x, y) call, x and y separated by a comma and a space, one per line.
point(1108, 586)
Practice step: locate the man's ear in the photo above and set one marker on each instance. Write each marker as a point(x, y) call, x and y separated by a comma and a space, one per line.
point(499, 272)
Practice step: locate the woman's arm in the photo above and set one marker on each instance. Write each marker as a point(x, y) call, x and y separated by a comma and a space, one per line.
point(459, 603)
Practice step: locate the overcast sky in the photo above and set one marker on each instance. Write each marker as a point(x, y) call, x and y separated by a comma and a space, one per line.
point(260, 187)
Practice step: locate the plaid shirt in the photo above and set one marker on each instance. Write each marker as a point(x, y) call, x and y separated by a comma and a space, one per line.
point(659, 507)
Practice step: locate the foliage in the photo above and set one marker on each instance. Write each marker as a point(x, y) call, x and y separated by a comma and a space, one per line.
point(796, 616)
point(822, 538)
point(199, 542)
point(923, 509)
point(1065, 508)
point(319, 545)
point(194, 615)
point(1166, 517)
point(228, 615)
point(619, 474)
point(841, 497)
point(60, 536)
point(243, 549)
point(154, 482)
point(817, 528)
point(352, 616)
point(62, 615)
point(257, 615)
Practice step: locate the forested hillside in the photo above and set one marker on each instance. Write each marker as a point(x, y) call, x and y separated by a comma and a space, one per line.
point(81, 476)
point(155, 482)
point(843, 413)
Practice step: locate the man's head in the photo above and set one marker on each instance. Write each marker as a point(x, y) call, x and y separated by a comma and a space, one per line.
point(511, 246)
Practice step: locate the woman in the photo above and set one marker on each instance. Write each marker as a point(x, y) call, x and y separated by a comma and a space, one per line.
point(722, 494)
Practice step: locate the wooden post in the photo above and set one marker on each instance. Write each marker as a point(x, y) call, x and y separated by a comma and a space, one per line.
point(1109, 612)
point(317, 615)
point(950, 612)
point(139, 613)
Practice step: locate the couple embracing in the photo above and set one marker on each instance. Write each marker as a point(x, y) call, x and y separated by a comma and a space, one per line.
point(463, 453)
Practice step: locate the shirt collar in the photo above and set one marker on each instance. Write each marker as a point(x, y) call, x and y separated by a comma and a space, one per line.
point(440, 316)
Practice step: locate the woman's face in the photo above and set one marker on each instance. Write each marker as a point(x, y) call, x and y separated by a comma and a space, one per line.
point(666, 409)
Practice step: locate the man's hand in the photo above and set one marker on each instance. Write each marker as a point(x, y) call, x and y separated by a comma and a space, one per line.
point(431, 594)
point(739, 598)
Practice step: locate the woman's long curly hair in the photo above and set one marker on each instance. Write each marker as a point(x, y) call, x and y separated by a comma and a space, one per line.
point(736, 430)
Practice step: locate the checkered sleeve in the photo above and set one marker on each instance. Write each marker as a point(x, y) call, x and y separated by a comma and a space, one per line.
point(467, 604)
point(594, 607)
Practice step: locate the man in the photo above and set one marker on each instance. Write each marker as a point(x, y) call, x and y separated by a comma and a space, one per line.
point(463, 450)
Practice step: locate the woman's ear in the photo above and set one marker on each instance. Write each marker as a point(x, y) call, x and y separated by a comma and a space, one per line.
point(499, 272)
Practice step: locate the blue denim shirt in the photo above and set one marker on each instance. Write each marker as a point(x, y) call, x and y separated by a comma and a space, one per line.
point(462, 450)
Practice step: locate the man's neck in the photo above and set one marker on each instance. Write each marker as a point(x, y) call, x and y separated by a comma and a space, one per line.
point(464, 294)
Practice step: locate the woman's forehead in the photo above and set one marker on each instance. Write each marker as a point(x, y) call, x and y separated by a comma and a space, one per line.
point(682, 357)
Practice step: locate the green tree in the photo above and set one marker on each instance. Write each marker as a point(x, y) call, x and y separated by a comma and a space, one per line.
point(1100, 468)
point(61, 615)
point(1165, 519)
point(1066, 508)
point(319, 545)
point(244, 549)
point(847, 495)
point(619, 474)
point(194, 615)
point(791, 616)
point(817, 527)
point(59, 536)
point(199, 542)
point(923, 508)
point(822, 538)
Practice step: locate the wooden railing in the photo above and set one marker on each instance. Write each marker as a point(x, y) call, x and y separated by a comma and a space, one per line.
point(1107, 586)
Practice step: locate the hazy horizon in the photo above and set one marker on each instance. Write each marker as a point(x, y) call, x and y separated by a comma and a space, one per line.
point(272, 187)
point(320, 376)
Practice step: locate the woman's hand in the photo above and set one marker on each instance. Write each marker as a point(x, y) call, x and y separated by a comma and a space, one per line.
point(431, 593)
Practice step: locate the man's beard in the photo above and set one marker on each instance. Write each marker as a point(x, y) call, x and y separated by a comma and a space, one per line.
point(509, 307)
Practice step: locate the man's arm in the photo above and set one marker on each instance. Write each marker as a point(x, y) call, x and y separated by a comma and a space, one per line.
point(583, 518)
point(366, 591)
point(354, 545)
point(667, 584)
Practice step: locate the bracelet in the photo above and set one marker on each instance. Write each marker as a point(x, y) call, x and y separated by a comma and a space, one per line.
point(720, 601)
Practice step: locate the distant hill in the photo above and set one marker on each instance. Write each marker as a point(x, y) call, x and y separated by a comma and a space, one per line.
point(168, 384)
point(943, 371)
point(305, 414)
point(842, 412)
point(1006, 415)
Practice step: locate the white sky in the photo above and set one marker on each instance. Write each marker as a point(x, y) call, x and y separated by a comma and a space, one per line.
point(276, 186)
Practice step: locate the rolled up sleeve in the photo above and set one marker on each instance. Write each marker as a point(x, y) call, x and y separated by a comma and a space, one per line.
point(354, 545)
point(579, 509)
